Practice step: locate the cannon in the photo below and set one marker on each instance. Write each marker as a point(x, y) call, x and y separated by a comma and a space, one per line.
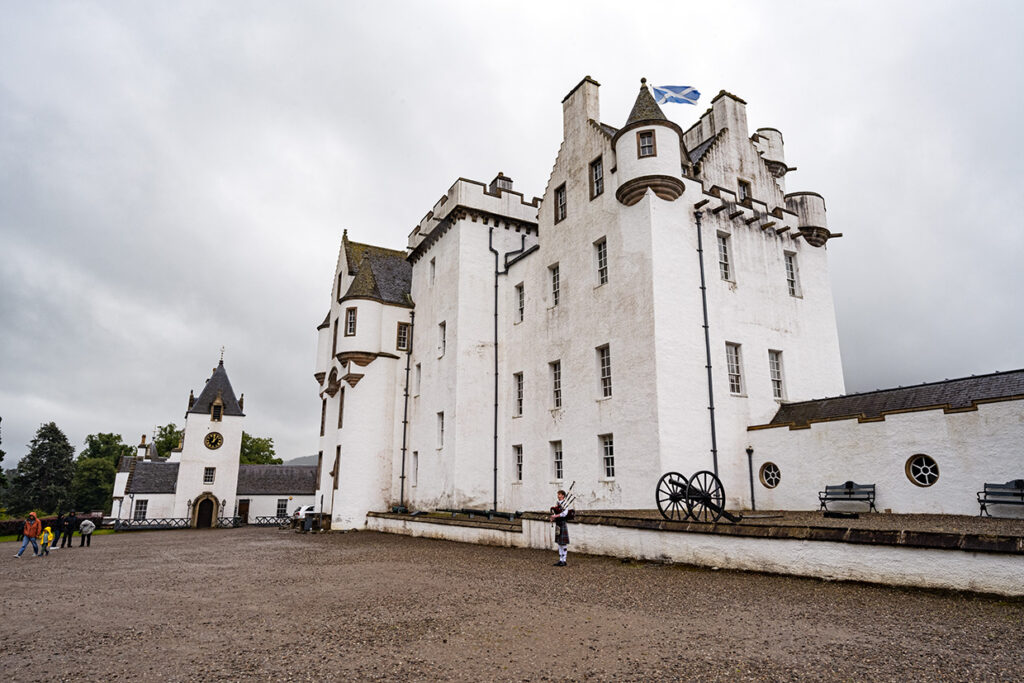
point(700, 498)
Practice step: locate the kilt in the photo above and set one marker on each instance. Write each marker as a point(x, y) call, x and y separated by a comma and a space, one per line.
point(561, 532)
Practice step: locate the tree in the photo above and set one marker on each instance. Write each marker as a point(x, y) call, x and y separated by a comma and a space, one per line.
point(108, 447)
point(93, 485)
point(167, 439)
point(257, 451)
point(43, 478)
point(3, 477)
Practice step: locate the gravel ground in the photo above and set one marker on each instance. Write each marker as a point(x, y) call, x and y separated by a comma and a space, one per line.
point(245, 604)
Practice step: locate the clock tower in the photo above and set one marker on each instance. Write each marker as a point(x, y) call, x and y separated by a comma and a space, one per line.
point(208, 473)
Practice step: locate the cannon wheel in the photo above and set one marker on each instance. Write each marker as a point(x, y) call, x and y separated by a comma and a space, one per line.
point(671, 496)
point(705, 497)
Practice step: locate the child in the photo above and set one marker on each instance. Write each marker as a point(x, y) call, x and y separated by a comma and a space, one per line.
point(558, 515)
point(47, 539)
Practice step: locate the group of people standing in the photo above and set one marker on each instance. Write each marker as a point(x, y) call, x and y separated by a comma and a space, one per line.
point(43, 539)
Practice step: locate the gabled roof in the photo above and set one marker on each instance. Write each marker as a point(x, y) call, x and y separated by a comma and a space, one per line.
point(255, 480)
point(645, 108)
point(951, 394)
point(154, 477)
point(380, 274)
point(217, 385)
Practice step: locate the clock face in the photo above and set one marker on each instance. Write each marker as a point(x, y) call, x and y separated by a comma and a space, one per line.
point(213, 440)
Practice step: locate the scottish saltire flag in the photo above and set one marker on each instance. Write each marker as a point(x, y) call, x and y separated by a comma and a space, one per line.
point(683, 94)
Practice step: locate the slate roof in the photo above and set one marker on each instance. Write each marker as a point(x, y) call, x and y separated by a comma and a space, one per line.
point(154, 477)
point(645, 108)
point(256, 480)
point(951, 394)
point(380, 274)
point(217, 384)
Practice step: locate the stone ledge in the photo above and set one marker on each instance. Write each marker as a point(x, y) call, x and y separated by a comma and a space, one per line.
point(446, 520)
point(1013, 545)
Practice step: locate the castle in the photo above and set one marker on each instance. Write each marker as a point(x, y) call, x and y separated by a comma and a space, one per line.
point(517, 345)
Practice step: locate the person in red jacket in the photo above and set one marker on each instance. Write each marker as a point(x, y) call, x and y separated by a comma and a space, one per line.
point(33, 527)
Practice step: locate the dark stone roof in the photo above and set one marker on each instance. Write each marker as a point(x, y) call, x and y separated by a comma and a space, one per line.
point(256, 480)
point(326, 322)
point(699, 150)
point(154, 477)
point(218, 384)
point(645, 108)
point(951, 394)
point(380, 274)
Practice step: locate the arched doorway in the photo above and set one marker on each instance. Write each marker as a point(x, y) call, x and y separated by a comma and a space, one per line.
point(204, 514)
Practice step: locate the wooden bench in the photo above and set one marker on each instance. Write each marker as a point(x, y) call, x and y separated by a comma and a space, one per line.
point(848, 492)
point(1010, 493)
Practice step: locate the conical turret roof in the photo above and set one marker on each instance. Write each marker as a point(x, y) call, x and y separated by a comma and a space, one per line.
point(645, 108)
point(217, 385)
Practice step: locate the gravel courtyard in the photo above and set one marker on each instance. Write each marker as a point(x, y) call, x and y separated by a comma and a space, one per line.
point(264, 604)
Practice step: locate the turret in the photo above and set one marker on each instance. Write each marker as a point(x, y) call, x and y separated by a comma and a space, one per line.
point(768, 142)
point(648, 152)
point(810, 210)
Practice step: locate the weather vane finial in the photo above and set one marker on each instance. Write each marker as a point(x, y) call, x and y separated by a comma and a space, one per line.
point(222, 354)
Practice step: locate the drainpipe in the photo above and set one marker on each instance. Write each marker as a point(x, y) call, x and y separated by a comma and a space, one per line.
point(405, 408)
point(750, 468)
point(498, 271)
point(707, 342)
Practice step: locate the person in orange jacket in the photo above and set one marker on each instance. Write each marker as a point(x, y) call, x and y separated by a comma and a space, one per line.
point(33, 527)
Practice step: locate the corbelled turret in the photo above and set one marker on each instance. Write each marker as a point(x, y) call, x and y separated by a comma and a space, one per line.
point(648, 152)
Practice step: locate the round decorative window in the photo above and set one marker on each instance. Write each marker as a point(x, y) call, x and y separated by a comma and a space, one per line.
point(770, 475)
point(922, 470)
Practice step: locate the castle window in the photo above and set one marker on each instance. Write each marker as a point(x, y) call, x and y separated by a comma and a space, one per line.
point(770, 475)
point(334, 343)
point(724, 266)
point(419, 378)
point(216, 412)
point(440, 430)
point(645, 145)
point(340, 276)
point(336, 473)
point(556, 460)
point(555, 284)
point(350, 322)
point(744, 188)
point(402, 337)
point(517, 452)
point(604, 364)
point(520, 302)
point(732, 362)
point(414, 475)
point(601, 254)
point(140, 509)
point(323, 416)
point(209, 474)
point(517, 381)
point(608, 455)
point(922, 470)
point(433, 270)
point(282, 507)
point(556, 383)
point(442, 339)
point(775, 371)
point(561, 208)
point(792, 274)
point(319, 467)
point(596, 177)
point(341, 406)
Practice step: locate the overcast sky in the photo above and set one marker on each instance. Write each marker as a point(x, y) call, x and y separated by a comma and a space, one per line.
point(175, 177)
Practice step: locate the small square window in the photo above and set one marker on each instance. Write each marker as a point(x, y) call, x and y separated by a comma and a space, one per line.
point(596, 177)
point(561, 207)
point(645, 144)
point(141, 507)
point(282, 507)
point(209, 474)
point(744, 189)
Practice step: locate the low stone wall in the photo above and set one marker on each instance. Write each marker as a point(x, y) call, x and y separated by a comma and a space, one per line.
point(969, 562)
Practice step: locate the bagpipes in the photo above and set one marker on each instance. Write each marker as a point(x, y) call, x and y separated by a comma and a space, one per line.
point(566, 504)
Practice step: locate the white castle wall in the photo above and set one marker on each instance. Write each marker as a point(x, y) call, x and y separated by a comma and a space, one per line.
point(970, 448)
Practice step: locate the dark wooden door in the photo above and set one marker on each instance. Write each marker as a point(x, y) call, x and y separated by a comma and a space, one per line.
point(204, 519)
point(243, 511)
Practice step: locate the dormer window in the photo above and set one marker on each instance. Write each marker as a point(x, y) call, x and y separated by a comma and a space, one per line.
point(645, 146)
point(217, 412)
